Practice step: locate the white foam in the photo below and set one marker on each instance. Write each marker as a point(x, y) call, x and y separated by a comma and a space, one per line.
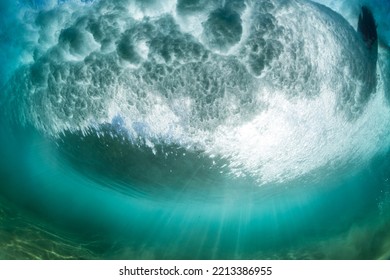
point(350, 10)
point(304, 112)
point(291, 139)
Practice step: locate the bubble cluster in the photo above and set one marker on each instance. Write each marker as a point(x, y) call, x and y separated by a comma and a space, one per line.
point(193, 72)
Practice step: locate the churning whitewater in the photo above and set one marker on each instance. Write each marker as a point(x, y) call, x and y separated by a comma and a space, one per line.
point(194, 129)
point(278, 89)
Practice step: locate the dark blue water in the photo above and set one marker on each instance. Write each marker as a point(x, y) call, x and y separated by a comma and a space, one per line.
point(193, 130)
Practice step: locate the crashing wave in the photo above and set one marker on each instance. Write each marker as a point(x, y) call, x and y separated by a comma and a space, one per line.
point(277, 88)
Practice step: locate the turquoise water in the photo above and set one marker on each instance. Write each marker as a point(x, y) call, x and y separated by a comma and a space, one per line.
point(193, 130)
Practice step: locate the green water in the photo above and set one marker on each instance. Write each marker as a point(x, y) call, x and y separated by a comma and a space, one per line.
point(163, 136)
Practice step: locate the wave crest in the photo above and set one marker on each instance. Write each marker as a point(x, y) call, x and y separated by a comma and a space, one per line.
point(268, 85)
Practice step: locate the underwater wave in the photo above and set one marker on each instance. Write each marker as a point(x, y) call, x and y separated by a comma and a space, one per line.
point(189, 114)
point(236, 85)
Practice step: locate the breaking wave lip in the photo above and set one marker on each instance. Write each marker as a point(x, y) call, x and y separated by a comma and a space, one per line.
point(274, 96)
